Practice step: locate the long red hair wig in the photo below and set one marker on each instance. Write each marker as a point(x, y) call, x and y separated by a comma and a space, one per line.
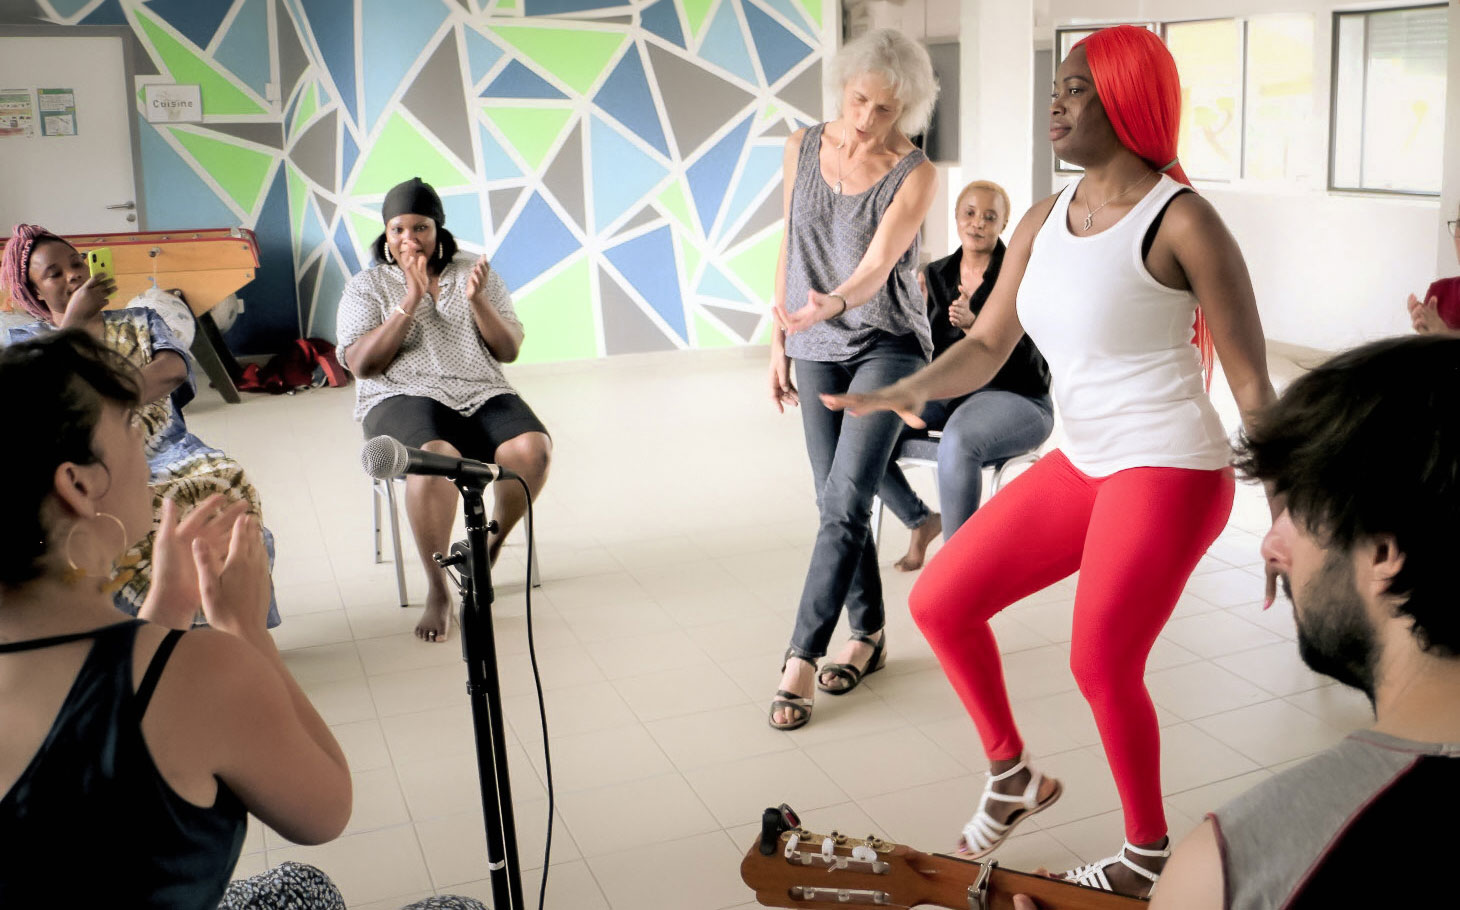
point(1136, 80)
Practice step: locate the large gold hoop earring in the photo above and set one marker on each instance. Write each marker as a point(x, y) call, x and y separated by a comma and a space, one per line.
point(75, 572)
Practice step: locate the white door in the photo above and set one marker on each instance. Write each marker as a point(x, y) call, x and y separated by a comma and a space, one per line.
point(72, 184)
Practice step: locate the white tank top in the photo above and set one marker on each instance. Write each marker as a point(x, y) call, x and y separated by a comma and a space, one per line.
point(1126, 378)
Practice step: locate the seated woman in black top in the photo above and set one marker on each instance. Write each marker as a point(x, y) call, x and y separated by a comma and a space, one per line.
point(1009, 416)
point(131, 754)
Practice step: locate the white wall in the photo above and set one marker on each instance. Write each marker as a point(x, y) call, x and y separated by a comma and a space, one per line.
point(1330, 270)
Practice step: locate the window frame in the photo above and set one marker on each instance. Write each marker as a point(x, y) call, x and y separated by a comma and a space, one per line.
point(1332, 187)
point(1242, 24)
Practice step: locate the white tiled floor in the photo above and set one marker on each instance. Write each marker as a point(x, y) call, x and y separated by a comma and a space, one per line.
point(674, 537)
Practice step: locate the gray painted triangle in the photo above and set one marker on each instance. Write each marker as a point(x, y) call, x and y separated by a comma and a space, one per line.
point(142, 64)
point(292, 59)
point(804, 91)
point(564, 177)
point(697, 101)
point(777, 128)
point(626, 330)
point(438, 100)
point(500, 202)
point(314, 151)
point(645, 215)
point(740, 322)
point(270, 134)
point(306, 292)
point(326, 210)
point(770, 211)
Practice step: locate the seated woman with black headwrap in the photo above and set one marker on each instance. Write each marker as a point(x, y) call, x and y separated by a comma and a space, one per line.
point(426, 332)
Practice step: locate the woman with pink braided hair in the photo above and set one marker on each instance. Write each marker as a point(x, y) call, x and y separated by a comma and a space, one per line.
point(48, 278)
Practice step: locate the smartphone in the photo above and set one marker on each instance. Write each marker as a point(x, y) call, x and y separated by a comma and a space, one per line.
point(99, 262)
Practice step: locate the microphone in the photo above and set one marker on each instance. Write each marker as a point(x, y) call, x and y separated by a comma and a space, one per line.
point(385, 457)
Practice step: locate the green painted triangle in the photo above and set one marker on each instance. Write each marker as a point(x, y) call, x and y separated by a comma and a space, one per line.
point(506, 5)
point(575, 56)
point(771, 113)
point(219, 95)
point(689, 253)
point(367, 227)
point(307, 106)
point(298, 195)
point(696, 11)
point(675, 203)
point(557, 317)
point(239, 171)
point(709, 335)
point(401, 149)
point(756, 266)
point(531, 130)
point(814, 8)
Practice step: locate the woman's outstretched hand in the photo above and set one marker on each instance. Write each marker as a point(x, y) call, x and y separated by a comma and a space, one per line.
point(819, 308)
point(896, 398)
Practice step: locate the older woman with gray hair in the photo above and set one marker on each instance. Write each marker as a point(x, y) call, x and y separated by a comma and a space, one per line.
point(848, 312)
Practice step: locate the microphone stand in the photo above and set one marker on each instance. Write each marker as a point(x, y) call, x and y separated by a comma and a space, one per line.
point(479, 650)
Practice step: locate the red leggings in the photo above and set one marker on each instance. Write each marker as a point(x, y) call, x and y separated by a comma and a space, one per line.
point(1135, 536)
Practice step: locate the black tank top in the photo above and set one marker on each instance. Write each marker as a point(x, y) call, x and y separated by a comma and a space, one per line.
point(91, 822)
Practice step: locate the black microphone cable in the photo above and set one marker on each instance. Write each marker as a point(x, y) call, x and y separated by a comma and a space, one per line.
point(547, 757)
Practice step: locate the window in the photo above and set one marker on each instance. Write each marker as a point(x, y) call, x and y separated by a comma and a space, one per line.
point(1208, 56)
point(1279, 119)
point(1388, 100)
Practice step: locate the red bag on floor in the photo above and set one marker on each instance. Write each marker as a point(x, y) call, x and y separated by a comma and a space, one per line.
point(307, 363)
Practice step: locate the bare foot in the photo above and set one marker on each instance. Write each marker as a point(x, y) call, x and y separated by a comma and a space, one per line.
point(797, 680)
point(854, 652)
point(435, 623)
point(917, 547)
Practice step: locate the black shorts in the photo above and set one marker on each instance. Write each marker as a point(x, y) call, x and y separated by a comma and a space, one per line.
point(416, 421)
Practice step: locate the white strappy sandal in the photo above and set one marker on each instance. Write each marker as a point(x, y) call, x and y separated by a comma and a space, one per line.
point(1093, 875)
point(983, 835)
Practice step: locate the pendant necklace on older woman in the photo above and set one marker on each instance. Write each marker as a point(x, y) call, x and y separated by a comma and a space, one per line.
point(1090, 213)
point(837, 187)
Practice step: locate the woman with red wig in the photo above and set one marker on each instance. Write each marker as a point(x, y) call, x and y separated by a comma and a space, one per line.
point(1124, 280)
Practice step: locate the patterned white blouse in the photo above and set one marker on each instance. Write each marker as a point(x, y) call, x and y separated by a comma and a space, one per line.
point(443, 356)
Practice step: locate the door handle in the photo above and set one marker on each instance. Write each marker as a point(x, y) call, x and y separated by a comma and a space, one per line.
point(124, 205)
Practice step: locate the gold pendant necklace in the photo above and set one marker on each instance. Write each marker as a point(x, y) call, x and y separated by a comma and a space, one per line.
point(837, 187)
point(1090, 214)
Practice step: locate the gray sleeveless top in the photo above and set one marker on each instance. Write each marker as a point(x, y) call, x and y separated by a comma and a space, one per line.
point(827, 235)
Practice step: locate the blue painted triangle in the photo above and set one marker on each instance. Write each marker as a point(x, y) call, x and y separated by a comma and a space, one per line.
point(662, 19)
point(793, 12)
point(779, 50)
point(245, 49)
point(625, 96)
point(647, 262)
point(709, 177)
point(332, 283)
point(176, 196)
point(314, 231)
point(346, 246)
point(534, 243)
point(464, 217)
point(481, 54)
point(332, 23)
point(194, 21)
point(517, 81)
point(68, 8)
point(393, 34)
point(716, 284)
point(349, 154)
point(622, 174)
point(272, 318)
point(496, 163)
point(724, 44)
point(559, 7)
point(109, 13)
point(762, 166)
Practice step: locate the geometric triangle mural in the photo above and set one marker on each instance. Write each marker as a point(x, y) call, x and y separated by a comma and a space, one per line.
point(650, 131)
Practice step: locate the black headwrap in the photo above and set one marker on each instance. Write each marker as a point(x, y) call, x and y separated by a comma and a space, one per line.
point(414, 197)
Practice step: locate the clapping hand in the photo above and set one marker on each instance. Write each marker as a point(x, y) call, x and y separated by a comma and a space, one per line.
point(1425, 315)
point(960, 314)
point(175, 593)
point(819, 308)
point(234, 579)
point(413, 263)
point(476, 282)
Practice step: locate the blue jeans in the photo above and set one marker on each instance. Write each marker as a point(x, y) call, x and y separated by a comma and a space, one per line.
point(978, 429)
point(848, 457)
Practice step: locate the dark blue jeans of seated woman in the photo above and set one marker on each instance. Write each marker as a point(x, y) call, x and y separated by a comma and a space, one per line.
point(983, 428)
point(848, 458)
